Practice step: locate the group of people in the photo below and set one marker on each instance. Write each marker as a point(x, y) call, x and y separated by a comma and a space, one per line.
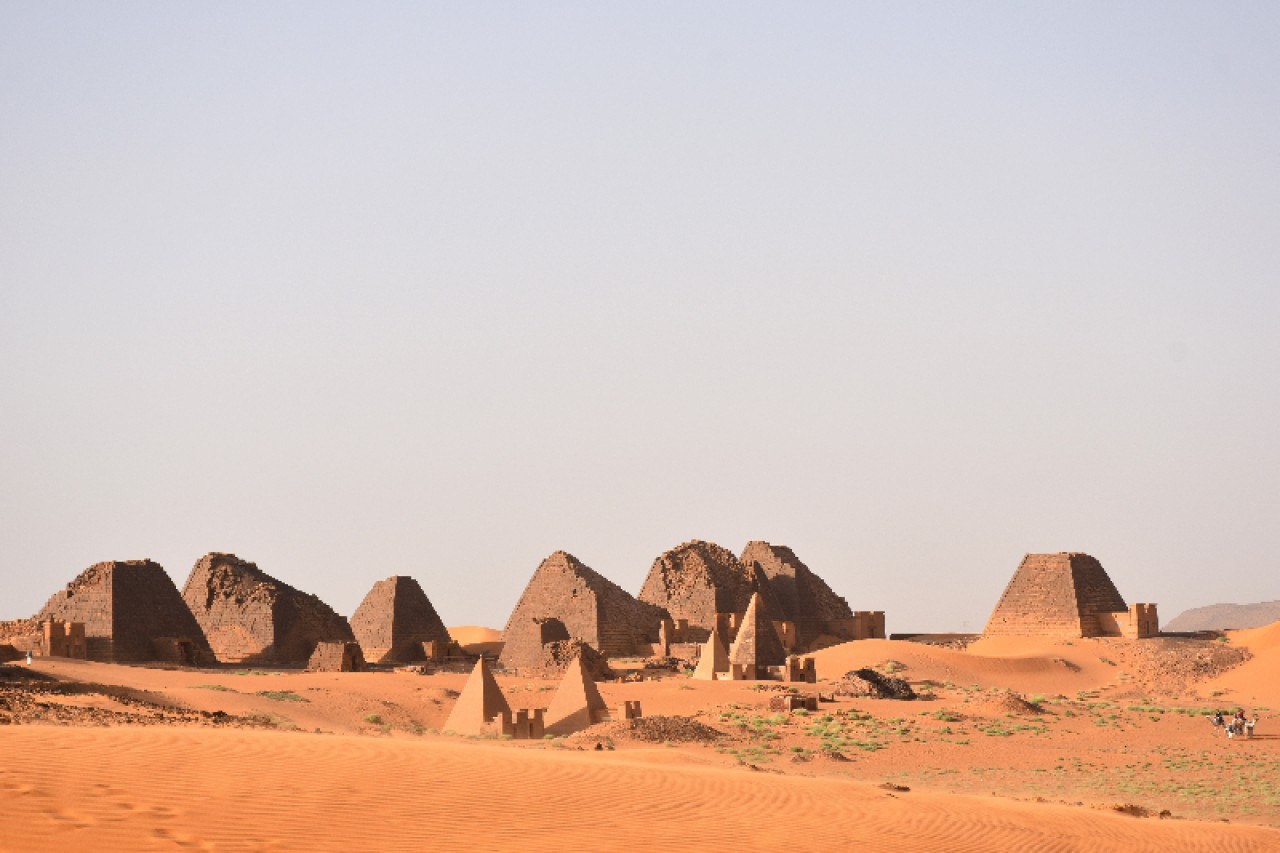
point(1237, 725)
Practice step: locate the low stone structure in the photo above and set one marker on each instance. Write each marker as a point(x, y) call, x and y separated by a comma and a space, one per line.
point(63, 640)
point(566, 600)
point(125, 606)
point(250, 617)
point(395, 623)
point(788, 702)
point(1068, 595)
point(336, 657)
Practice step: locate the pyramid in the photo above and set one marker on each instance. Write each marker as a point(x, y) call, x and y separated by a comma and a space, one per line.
point(250, 617)
point(1058, 595)
point(564, 600)
point(479, 705)
point(714, 659)
point(757, 645)
point(695, 581)
point(577, 703)
point(395, 619)
point(126, 606)
point(803, 598)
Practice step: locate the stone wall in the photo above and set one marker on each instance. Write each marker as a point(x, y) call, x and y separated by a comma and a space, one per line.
point(251, 617)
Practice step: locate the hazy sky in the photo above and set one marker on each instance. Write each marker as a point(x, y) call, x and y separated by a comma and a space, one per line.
point(354, 290)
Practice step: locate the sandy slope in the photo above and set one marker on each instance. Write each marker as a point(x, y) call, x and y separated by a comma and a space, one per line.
point(166, 789)
point(1258, 680)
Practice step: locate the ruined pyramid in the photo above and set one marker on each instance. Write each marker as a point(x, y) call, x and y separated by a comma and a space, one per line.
point(757, 645)
point(126, 607)
point(1059, 595)
point(802, 597)
point(577, 703)
point(695, 581)
point(395, 619)
point(481, 705)
point(250, 617)
point(567, 600)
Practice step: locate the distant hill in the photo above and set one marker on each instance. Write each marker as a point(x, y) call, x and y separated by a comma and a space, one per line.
point(1216, 616)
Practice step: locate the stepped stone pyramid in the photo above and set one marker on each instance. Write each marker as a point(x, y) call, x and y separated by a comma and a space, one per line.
point(757, 646)
point(126, 607)
point(802, 597)
point(1062, 595)
point(250, 617)
point(481, 707)
point(567, 600)
point(395, 619)
point(695, 581)
point(577, 703)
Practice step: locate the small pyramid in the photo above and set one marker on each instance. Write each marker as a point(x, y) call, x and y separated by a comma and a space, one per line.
point(577, 703)
point(757, 645)
point(714, 659)
point(480, 703)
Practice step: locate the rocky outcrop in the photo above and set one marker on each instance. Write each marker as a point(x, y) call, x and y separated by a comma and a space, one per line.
point(250, 617)
point(1219, 617)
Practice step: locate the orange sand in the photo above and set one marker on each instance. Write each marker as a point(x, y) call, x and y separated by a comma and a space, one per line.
point(165, 789)
point(378, 777)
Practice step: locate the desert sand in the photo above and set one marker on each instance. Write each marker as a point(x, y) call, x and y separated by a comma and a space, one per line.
point(1016, 744)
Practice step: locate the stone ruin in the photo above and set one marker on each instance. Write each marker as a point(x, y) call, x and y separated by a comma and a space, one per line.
point(128, 610)
point(250, 617)
point(566, 600)
point(821, 618)
point(705, 587)
point(695, 583)
point(336, 657)
point(866, 683)
point(1068, 595)
point(397, 624)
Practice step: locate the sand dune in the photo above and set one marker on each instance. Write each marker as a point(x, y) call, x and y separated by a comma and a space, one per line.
point(477, 639)
point(164, 789)
point(1027, 665)
point(1257, 680)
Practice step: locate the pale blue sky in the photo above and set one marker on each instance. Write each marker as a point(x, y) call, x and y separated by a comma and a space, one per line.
point(354, 290)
